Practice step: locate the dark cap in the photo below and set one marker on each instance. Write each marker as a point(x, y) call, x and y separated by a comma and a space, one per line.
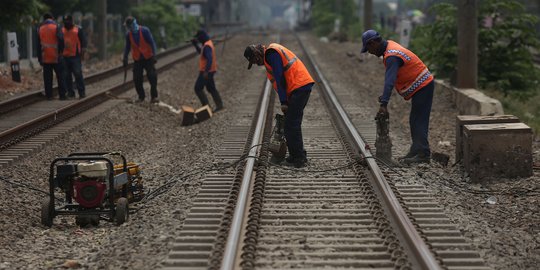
point(199, 33)
point(68, 18)
point(129, 20)
point(47, 15)
point(249, 53)
point(367, 37)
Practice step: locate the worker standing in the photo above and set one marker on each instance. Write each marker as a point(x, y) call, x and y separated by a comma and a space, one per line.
point(140, 42)
point(293, 83)
point(75, 46)
point(50, 45)
point(207, 70)
point(413, 81)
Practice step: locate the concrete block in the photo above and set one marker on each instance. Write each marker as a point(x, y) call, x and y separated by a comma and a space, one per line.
point(497, 150)
point(462, 120)
point(472, 101)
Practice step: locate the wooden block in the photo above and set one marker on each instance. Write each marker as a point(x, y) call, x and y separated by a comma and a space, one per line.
point(188, 115)
point(203, 113)
point(494, 150)
point(462, 120)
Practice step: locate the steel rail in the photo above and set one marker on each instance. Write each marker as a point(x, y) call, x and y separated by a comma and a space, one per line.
point(413, 241)
point(230, 254)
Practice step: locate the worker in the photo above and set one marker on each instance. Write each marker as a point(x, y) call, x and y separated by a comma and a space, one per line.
point(50, 45)
point(413, 81)
point(207, 69)
point(292, 82)
point(75, 46)
point(143, 50)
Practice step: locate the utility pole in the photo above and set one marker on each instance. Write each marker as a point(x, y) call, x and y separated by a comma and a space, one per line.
point(368, 14)
point(467, 66)
point(102, 28)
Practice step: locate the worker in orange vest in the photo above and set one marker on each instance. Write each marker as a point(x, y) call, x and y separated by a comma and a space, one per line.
point(140, 42)
point(50, 45)
point(413, 81)
point(75, 46)
point(292, 81)
point(207, 69)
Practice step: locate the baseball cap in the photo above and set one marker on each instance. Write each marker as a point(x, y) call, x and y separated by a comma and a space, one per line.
point(249, 53)
point(368, 36)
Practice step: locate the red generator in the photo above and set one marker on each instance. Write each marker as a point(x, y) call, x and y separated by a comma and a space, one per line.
point(94, 188)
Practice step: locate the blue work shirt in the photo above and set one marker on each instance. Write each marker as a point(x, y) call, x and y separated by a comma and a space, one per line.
point(393, 63)
point(147, 37)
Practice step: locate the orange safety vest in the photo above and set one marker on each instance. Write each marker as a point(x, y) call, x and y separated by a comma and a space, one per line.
point(413, 75)
point(202, 60)
point(144, 48)
point(49, 43)
point(71, 41)
point(295, 72)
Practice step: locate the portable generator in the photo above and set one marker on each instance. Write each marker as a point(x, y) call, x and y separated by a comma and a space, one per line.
point(94, 188)
point(278, 145)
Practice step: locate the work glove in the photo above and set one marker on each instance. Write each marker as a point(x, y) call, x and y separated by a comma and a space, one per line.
point(153, 59)
point(284, 108)
point(382, 113)
point(194, 42)
point(205, 75)
point(125, 62)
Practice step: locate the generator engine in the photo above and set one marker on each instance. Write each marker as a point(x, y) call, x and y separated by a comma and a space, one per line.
point(85, 182)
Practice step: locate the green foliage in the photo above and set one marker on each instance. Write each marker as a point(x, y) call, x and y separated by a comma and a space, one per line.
point(505, 60)
point(20, 13)
point(325, 12)
point(436, 43)
point(156, 13)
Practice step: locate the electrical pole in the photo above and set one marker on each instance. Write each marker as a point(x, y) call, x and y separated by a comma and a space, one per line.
point(102, 28)
point(368, 13)
point(467, 67)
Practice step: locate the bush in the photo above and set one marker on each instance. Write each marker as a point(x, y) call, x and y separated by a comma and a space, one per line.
point(325, 12)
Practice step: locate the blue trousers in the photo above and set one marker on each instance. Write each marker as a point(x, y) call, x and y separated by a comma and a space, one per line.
point(210, 86)
point(293, 121)
point(73, 68)
point(138, 68)
point(48, 80)
point(419, 119)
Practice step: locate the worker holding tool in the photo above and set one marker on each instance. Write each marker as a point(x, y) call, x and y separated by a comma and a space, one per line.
point(412, 80)
point(75, 46)
point(292, 82)
point(143, 50)
point(50, 45)
point(207, 69)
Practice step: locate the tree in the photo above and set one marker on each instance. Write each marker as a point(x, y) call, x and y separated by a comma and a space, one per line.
point(325, 12)
point(21, 13)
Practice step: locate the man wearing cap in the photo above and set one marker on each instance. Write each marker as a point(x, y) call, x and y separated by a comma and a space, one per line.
point(50, 45)
point(412, 80)
point(75, 46)
point(143, 50)
point(293, 83)
point(207, 69)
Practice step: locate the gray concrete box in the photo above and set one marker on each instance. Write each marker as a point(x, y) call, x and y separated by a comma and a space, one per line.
point(497, 150)
point(462, 120)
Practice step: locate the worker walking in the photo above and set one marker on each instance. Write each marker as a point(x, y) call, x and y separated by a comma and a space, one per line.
point(74, 49)
point(207, 69)
point(412, 80)
point(140, 42)
point(50, 45)
point(293, 83)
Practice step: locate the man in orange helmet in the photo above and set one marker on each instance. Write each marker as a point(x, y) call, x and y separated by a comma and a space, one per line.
point(413, 81)
point(50, 45)
point(293, 83)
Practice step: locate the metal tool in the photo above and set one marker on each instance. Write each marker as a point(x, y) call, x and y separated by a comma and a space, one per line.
point(278, 145)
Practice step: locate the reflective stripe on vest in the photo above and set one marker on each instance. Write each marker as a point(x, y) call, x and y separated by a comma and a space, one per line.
point(143, 48)
point(203, 60)
point(49, 43)
point(295, 72)
point(72, 44)
point(413, 75)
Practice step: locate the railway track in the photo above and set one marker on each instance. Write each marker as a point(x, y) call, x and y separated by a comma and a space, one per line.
point(342, 211)
point(24, 119)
